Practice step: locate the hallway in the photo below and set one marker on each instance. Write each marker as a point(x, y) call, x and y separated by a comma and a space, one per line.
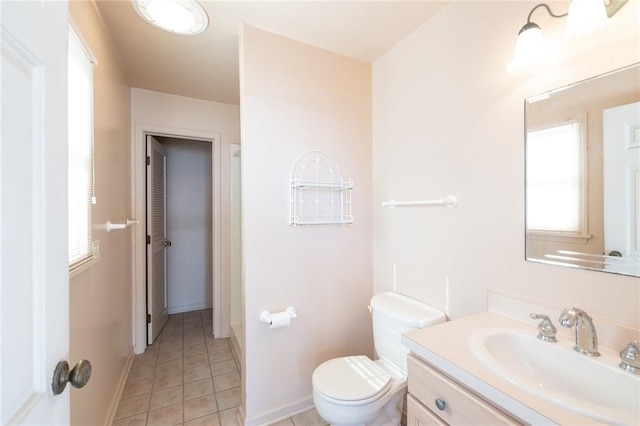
point(186, 377)
point(189, 378)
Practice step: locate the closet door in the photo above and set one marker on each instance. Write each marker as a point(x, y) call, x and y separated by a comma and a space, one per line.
point(157, 242)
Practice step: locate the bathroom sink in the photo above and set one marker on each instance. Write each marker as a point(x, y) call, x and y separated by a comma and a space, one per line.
point(554, 372)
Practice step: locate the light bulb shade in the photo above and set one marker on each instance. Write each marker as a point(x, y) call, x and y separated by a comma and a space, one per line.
point(176, 16)
point(530, 49)
point(585, 15)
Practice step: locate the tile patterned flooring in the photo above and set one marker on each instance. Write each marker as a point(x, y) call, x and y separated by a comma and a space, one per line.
point(188, 378)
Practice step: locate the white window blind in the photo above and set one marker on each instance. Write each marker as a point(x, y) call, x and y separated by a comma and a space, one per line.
point(555, 179)
point(80, 154)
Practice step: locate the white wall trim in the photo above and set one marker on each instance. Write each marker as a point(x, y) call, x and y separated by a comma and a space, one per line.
point(138, 270)
point(113, 407)
point(190, 307)
point(279, 413)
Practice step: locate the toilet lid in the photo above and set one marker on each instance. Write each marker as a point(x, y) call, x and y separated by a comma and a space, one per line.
point(351, 378)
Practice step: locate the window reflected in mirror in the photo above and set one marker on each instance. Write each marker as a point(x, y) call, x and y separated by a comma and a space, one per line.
point(555, 178)
point(583, 174)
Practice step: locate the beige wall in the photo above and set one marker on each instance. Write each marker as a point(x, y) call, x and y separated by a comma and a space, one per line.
point(163, 109)
point(100, 298)
point(294, 99)
point(448, 119)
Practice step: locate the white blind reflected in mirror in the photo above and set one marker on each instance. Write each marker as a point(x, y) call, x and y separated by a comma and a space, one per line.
point(578, 182)
point(554, 178)
point(80, 154)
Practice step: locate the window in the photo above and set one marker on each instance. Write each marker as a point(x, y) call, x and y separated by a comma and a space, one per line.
point(80, 151)
point(556, 184)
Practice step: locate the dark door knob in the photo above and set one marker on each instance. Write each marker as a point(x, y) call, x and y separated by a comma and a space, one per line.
point(78, 376)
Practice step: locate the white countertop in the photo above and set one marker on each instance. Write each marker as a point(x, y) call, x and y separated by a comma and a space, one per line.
point(446, 347)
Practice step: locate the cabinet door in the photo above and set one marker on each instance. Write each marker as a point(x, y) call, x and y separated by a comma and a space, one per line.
point(458, 406)
point(419, 415)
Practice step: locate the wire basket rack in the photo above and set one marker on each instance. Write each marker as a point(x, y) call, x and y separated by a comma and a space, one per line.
point(319, 194)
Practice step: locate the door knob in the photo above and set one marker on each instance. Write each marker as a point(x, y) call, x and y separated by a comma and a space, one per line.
point(167, 243)
point(78, 376)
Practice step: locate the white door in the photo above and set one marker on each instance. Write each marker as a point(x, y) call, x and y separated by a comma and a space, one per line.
point(621, 152)
point(157, 242)
point(34, 282)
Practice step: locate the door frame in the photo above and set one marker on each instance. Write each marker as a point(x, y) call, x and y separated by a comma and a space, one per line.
point(138, 203)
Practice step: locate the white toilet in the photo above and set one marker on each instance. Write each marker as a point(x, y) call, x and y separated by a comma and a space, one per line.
point(355, 390)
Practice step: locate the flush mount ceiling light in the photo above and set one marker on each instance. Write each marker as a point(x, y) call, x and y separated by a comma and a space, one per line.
point(176, 16)
point(583, 16)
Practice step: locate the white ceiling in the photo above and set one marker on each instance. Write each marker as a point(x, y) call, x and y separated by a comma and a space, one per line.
point(205, 66)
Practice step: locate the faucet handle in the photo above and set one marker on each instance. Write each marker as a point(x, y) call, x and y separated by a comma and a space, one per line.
point(630, 357)
point(546, 330)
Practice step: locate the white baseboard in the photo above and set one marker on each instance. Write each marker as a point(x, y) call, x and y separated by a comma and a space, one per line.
point(237, 340)
point(224, 332)
point(113, 407)
point(240, 416)
point(188, 308)
point(280, 413)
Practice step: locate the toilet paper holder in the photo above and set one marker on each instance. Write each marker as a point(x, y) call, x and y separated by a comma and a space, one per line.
point(265, 316)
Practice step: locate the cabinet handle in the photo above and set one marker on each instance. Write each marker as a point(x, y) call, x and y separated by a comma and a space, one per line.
point(440, 404)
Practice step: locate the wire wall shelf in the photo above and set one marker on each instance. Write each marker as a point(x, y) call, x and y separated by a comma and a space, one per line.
point(319, 195)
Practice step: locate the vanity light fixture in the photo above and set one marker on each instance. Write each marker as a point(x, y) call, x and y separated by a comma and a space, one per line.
point(530, 47)
point(176, 16)
point(583, 16)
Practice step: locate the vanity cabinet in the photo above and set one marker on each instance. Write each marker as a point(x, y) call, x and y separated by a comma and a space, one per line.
point(435, 399)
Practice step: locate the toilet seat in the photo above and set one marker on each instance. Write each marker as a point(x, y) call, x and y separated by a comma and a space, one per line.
point(352, 380)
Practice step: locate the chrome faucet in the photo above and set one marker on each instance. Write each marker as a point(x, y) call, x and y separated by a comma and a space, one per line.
point(546, 330)
point(586, 337)
point(630, 358)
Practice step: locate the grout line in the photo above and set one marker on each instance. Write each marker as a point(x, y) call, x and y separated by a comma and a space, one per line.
point(195, 329)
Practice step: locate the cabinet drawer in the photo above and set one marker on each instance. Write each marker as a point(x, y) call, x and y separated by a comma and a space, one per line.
point(461, 407)
point(419, 415)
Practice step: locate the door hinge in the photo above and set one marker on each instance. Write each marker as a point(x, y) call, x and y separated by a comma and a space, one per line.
point(148, 160)
point(148, 318)
point(148, 239)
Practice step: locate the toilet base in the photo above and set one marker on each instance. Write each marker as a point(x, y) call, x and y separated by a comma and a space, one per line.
point(379, 413)
point(391, 415)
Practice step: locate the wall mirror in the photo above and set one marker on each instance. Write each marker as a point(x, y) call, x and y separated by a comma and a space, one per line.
point(583, 174)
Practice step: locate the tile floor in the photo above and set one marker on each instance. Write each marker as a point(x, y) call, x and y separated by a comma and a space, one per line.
point(188, 378)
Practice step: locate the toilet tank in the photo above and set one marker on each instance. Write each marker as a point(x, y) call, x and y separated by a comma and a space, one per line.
point(393, 315)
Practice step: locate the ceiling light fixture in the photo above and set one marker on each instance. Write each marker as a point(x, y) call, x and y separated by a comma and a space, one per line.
point(583, 16)
point(176, 16)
